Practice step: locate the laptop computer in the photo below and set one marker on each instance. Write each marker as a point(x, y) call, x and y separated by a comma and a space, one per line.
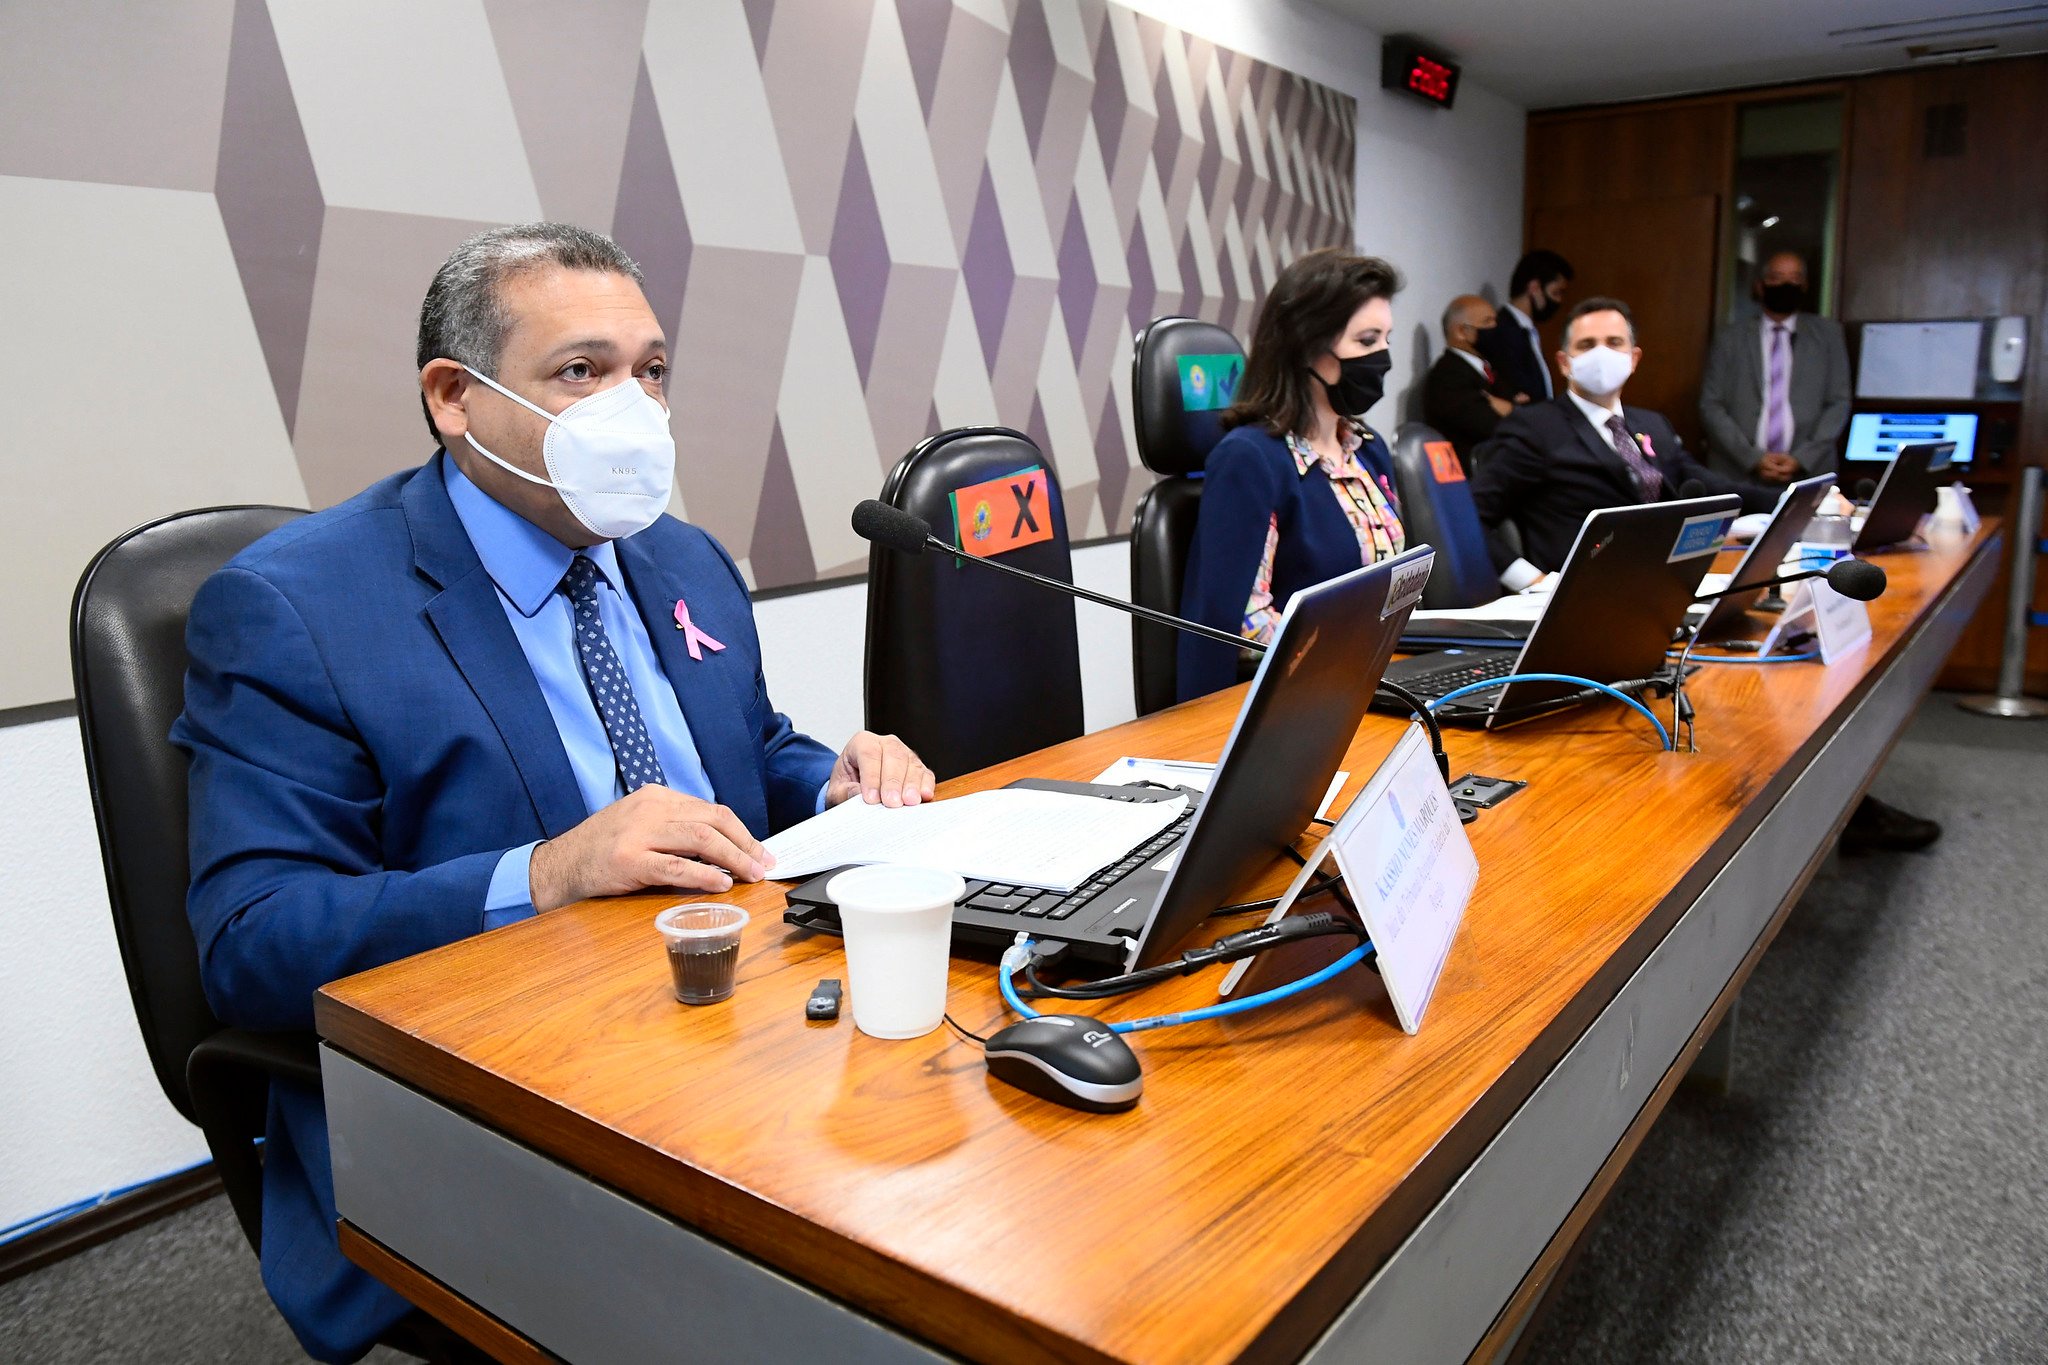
point(1620, 597)
point(1796, 506)
point(1311, 690)
point(1905, 495)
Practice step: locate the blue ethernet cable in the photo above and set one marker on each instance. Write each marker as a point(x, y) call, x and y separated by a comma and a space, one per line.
point(1020, 953)
point(1616, 693)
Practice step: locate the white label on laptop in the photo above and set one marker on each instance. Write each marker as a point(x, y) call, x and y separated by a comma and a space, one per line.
point(1844, 622)
point(1409, 581)
point(1409, 868)
point(1700, 535)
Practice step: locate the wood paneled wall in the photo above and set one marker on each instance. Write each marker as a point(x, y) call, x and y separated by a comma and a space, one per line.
point(1957, 235)
point(1634, 200)
point(1963, 235)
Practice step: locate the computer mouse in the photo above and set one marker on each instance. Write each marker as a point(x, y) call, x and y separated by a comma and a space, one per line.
point(1069, 1059)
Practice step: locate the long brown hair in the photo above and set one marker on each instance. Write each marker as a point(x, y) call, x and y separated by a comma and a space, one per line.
point(1309, 307)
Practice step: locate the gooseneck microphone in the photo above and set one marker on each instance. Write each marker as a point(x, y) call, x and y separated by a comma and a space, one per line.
point(1857, 578)
point(895, 529)
point(1865, 490)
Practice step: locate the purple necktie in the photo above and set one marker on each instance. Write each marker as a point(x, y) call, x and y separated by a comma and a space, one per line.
point(1648, 481)
point(1778, 426)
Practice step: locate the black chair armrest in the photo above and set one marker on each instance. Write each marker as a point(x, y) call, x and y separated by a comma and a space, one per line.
point(229, 1075)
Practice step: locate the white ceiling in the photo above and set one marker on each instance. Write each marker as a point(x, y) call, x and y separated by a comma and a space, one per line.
point(1545, 53)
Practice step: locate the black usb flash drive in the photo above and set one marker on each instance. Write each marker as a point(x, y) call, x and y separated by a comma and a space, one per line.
point(824, 1001)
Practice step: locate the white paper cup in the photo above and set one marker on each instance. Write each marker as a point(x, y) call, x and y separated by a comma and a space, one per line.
point(898, 923)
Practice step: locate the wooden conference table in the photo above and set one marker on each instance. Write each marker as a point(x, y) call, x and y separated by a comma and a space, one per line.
point(534, 1141)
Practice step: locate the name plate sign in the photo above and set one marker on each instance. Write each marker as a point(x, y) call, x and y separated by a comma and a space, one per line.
point(1409, 868)
point(1841, 623)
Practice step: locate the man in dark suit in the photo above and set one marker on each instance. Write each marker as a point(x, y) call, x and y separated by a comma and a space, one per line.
point(475, 692)
point(1775, 395)
point(1457, 397)
point(1535, 292)
point(1549, 464)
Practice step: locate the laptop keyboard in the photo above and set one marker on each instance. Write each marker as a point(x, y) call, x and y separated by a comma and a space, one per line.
point(1035, 903)
point(1468, 669)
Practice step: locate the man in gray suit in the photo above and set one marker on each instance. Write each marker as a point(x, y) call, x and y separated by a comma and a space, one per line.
point(1776, 392)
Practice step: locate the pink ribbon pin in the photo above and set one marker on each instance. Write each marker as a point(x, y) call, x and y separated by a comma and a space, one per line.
point(1641, 440)
point(692, 634)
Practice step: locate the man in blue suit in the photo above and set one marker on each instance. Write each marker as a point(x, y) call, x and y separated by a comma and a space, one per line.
point(479, 690)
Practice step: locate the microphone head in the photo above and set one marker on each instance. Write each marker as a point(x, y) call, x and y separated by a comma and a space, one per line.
point(1857, 578)
point(891, 527)
point(1692, 488)
point(1865, 490)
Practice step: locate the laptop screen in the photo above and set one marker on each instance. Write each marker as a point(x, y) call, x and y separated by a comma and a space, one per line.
point(1312, 689)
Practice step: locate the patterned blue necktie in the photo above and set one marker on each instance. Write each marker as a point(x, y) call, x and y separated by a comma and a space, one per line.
point(606, 678)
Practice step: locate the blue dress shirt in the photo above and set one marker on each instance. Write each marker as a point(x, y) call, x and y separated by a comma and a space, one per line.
point(527, 564)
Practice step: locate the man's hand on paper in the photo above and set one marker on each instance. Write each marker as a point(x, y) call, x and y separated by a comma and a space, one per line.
point(652, 837)
point(881, 769)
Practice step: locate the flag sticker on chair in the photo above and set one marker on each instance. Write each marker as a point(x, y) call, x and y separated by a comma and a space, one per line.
point(1003, 514)
point(1209, 382)
point(1443, 462)
point(1701, 535)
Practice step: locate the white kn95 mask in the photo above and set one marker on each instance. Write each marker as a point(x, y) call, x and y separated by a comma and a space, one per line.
point(610, 456)
point(1602, 370)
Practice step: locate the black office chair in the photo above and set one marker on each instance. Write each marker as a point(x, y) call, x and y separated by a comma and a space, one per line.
point(1439, 512)
point(128, 666)
point(1173, 443)
point(969, 667)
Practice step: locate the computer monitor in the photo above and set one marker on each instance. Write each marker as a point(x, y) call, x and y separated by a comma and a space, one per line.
point(1875, 437)
point(1311, 691)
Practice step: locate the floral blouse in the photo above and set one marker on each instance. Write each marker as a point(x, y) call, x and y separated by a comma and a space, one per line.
point(1365, 500)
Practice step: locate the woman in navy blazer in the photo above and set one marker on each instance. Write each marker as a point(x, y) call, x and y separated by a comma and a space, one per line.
point(1294, 493)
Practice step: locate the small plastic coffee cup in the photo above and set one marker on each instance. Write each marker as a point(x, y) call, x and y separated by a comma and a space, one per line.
point(703, 942)
point(898, 923)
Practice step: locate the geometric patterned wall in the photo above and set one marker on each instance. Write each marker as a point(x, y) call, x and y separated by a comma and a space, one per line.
point(860, 220)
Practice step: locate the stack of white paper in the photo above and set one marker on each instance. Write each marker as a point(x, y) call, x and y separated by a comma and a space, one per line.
point(1515, 607)
point(1013, 835)
point(1177, 772)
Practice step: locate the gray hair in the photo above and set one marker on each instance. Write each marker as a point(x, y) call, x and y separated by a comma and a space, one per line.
point(463, 319)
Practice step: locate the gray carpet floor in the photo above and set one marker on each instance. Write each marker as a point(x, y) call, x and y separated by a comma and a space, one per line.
point(181, 1291)
point(1873, 1188)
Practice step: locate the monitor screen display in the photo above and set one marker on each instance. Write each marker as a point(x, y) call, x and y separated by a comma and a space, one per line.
point(1875, 437)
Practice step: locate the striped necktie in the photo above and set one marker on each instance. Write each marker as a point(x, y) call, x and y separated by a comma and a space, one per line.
point(1648, 481)
point(1778, 425)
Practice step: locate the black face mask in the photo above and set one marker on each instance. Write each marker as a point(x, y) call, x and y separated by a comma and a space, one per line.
point(1545, 309)
point(1361, 380)
point(1783, 299)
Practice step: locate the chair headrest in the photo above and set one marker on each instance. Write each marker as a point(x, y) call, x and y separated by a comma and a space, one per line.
point(1412, 445)
point(1183, 374)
